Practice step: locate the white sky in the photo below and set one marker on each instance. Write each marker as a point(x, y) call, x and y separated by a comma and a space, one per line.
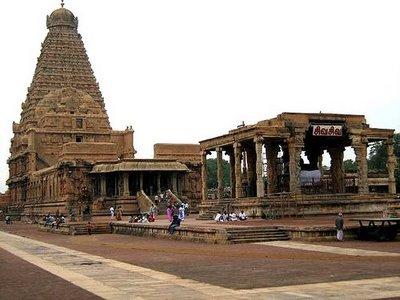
point(183, 71)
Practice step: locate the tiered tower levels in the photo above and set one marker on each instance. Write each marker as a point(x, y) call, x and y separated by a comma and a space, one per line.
point(63, 63)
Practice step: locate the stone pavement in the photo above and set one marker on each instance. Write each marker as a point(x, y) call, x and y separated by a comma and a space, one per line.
point(111, 279)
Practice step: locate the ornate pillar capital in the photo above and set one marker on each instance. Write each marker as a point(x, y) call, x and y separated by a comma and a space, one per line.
point(258, 139)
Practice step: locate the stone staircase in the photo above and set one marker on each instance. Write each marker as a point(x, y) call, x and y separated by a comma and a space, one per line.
point(220, 206)
point(256, 234)
point(81, 229)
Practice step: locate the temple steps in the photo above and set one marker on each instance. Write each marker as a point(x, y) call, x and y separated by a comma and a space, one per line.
point(220, 206)
point(256, 234)
point(81, 229)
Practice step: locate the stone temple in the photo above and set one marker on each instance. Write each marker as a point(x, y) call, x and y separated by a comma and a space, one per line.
point(64, 151)
point(66, 157)
point(270, 175)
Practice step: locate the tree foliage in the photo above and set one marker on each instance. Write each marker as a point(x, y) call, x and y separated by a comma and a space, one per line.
point(350, 166)
point(212, 173)
point(378, 157)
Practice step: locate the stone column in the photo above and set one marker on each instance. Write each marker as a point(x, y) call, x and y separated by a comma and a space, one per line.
point(320, 165)
point(251, 179)
point(391, 166)
point(103, 185)
point(232, 173)
point(158, 183)
point(337, 172)
point(360, 149)
point(141, 181)
point(272, 156)
point(220, 173)
point(174, 183)
point(259, 167)
point(125, 177)
point(238, 169)
point(204, 187)
point(295, 147)
point(32, 166)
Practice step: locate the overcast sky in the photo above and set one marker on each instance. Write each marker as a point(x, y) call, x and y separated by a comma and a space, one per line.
point(183, 71)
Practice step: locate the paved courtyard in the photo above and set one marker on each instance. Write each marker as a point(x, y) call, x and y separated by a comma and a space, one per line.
point(40, 265)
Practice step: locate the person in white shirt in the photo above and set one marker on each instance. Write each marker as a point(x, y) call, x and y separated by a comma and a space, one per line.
point(186, 206)
point(218, 217)
point(233, 217)
point(181, 212)
point(112, 212)
point(242, 216)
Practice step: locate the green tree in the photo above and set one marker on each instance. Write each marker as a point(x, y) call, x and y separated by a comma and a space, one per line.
point(378, 157)
point(350, 166)
point(212, 173)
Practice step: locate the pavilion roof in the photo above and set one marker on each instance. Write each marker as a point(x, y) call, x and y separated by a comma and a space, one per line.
point(140, 165)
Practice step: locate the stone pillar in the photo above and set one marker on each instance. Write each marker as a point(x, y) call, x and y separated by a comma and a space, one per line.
point(238, 169)
point(232, 173)
point(337, 171)
point(295, 147)
point(103, 185)
point(220, 173)
point(204, 187)
point(320, 165)
point(32, 166)
point(125, 177)
point(391, 166)
point(158, 188)
point(141, 181)
point(272, 156)
point(259, 167)
point(174, 183)
point(251, 178)
point(360, 149)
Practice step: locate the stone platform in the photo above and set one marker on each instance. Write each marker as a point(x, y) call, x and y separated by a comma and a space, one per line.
point(284, 205)
point(76, 228)
point(249, 231)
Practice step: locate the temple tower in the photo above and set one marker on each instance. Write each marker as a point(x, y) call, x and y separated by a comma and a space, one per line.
point(63, 117)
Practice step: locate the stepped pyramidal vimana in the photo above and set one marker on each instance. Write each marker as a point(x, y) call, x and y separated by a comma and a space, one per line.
point(66, 157)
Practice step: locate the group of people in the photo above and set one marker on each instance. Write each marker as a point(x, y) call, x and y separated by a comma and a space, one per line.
point(142, 218)
point(54, 221)
point(180, 211)
point(224, 216)
point(176, 218)
point(118, 215)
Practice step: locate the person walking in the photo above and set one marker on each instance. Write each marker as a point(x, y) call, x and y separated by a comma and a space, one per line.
point(339, 224)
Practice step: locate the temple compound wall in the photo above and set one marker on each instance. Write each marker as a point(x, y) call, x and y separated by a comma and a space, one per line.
point(266, 158)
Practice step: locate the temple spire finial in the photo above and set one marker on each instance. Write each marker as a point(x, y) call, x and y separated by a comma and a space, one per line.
point(62, 3)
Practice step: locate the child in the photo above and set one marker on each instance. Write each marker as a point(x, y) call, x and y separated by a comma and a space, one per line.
point(89, 228)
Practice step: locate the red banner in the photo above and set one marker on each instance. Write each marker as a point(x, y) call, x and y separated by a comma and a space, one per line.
point(327, 130)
